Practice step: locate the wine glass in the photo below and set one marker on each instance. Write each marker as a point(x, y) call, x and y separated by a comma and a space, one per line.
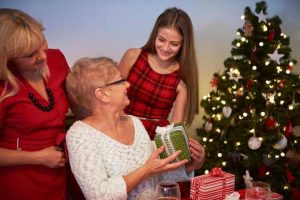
point(167, 190)
point(258, 191)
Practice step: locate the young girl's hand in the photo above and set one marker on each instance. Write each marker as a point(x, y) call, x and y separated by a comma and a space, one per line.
point(197, 155)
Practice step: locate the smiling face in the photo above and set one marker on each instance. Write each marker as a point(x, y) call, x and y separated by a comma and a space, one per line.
point(95, 82)
point(118, 90)
point(34, 60)
point(168, 43)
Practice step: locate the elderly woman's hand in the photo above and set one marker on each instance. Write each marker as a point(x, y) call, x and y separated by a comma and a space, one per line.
point(197, 155)
point(156, 165)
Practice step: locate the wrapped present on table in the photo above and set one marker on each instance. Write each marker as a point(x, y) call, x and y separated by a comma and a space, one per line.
point(215, 185)
point(174, 138)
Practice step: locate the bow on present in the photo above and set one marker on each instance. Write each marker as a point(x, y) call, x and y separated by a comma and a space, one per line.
point(165, 129)
point(216, 172)
point(165, 138)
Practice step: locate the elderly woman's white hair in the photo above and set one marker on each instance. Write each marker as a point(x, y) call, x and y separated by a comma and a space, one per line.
point(87, 75)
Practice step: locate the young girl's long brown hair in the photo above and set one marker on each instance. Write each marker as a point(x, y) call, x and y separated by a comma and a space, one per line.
point(178, 19)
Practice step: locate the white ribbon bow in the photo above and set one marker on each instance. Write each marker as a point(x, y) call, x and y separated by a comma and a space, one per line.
point(165, 129)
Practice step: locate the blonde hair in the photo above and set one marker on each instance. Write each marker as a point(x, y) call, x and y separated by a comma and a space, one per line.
point(178, 19)
point(87, 75)
point(20, 35)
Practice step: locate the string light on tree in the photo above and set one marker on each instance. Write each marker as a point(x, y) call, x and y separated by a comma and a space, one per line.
point(267, 63)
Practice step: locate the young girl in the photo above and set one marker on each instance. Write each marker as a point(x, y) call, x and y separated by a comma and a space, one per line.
point(163, 73)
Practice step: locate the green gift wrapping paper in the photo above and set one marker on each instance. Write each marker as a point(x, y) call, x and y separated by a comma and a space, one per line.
point(174, 138)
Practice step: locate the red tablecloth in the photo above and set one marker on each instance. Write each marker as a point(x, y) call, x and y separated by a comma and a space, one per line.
point(275, 196)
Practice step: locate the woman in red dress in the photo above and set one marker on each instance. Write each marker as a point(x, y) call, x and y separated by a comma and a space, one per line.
point(33, 105)
point(163, 74)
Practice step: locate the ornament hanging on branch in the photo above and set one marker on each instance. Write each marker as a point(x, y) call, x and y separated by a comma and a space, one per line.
point(262, 17)
point(234, 74)
point(269, 97)
point(271, 35)
point(208, 125)
point(281, 83)
point(289, 175)
point(275, 56)
point(253, 55)
point(289, 68)
point(249, 84)
point(281, 144)
point(262, 171)
point(248, 28)
point(214, 82)
point(240, 92)
point(254, 143)
point(288, 129)
point(227, 111)
point(270, 123)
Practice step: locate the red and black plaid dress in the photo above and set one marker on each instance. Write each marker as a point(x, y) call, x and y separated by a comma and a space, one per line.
point(151, 94)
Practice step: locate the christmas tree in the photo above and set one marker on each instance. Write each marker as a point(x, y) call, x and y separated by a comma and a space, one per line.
point(251, 113)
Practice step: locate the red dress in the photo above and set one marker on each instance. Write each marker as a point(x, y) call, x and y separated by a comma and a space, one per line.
point(151, 94)
point(24, 126)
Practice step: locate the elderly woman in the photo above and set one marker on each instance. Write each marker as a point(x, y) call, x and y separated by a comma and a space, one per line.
point(111, 154)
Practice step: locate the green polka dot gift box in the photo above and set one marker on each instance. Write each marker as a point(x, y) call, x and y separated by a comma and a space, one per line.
point(174, 138)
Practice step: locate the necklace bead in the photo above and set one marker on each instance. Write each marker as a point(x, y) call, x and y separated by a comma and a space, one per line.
point(40, 106)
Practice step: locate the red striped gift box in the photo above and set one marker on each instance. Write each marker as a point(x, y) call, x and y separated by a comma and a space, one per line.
point(212, 186)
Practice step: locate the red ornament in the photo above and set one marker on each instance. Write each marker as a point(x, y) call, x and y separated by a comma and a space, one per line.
point(214, 82)
point(289, 175)
point(281, 83)
point(253, 55)
point(289, 67)
point(271, 35)
point(288, 129)
point(249, 84)
point(270, 123)
point(262, 171)
point(240, 92)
